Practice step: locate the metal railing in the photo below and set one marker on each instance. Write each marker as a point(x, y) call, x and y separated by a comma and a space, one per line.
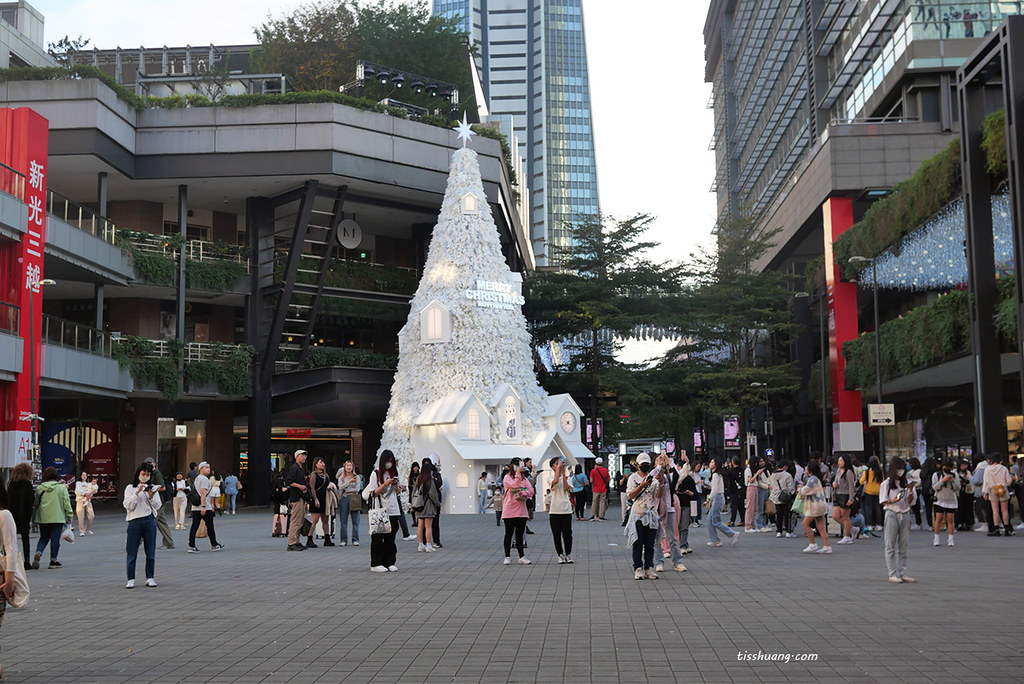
point(195, 250)
point(9, 317)
point(192, 351)
point(12, 182)
point(75, 214)
point(71, 335)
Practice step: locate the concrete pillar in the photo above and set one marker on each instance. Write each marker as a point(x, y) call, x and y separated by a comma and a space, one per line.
point(98, 303)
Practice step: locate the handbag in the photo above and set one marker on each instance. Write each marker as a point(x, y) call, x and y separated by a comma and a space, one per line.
point(416, 500)
point(68, 534)
point(798, 506)
point(355, 503)
point(769, 507)
point(785, 497)
point(380, 522)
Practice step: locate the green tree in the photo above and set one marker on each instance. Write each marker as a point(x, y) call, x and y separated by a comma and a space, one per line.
point(317, 45)
point(63, 50)
point(410, 38)
point(606, 290)
point(735, 320)
point(311, 46)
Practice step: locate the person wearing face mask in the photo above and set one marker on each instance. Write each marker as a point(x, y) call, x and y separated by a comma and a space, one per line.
point(383, 483)
point(142, 501)
point(644, 490)
point(517, 490)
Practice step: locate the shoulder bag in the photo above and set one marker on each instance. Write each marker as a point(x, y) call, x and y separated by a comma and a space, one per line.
point(380, 522)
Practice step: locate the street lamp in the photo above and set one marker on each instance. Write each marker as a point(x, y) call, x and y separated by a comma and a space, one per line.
point(34, 416)
point(767, 435)
point(824, 367)
point(878, 345)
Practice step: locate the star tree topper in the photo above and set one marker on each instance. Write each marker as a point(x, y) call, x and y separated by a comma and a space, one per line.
point(465, 132)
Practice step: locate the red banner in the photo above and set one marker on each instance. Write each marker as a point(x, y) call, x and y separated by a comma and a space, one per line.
point(24, 138)
point(847, 423)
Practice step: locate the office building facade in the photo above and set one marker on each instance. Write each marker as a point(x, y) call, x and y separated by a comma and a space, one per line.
point(532, 59)
point(821, 107)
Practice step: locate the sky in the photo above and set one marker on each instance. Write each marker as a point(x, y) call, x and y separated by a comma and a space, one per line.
point(651, 122)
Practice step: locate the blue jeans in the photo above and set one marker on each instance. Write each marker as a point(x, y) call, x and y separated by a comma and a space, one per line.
point(231, 501)
point(483, 501)
point(144, 529)
point(643, 547)
point(344, 513)
point(762, 517)
point(715, 519)
point(49, 533)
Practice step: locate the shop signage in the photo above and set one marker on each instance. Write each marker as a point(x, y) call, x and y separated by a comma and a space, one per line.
point(881, 414)
point(298, 433)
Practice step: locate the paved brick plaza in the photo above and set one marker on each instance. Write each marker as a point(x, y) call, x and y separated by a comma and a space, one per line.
point(256, 613)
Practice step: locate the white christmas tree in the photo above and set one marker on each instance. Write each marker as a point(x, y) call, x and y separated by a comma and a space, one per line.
point(479, 318)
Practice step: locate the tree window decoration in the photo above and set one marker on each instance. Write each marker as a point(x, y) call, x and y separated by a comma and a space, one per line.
point(435, 324)
point(473, 424)
point(470, 204)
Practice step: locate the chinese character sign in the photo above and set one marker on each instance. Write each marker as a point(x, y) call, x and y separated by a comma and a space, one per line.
point(23, 147)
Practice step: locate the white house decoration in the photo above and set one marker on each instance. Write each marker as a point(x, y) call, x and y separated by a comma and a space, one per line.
point(465, 388)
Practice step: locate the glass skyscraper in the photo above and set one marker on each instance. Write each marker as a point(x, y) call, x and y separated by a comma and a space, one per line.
point(532, 58)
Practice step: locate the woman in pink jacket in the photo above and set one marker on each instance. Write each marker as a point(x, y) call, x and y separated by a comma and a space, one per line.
point(513, 512)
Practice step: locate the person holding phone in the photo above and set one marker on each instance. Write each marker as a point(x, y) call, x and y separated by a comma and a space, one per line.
point(751, 477)
point(142, 501)
point(518, 490)
point(897, 495)
point(946, 485)
point(560, 511)
point(383, 482)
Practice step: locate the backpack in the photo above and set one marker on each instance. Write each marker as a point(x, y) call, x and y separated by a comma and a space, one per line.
point(192, 494)
point(416, 500)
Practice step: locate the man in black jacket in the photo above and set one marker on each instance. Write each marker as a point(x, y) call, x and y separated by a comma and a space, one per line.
point(297, 481)
point(735, 489)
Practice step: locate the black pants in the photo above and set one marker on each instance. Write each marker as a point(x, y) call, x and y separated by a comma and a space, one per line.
point(782, 518)
point(580, 505)
point(25, 545)
point(916, 508)
point(382, 546)
point(517, 525)
point(738, 505)
point(210, 533)
point(965, 511)
point(497, 517)
point(402, 522)
point(643, 547)
point(929, 499)
point(561, 529)
point(872, 510)
point(435, 527)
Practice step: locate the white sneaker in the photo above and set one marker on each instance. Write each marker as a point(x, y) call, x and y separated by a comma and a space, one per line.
point(421, 548)
point(811, 548)
point(935, 542)
point(1020, 527)
point(410, 537)
point(679, 567)
point(778, 535)
point(824, 549)
point(660, 567)
point(790, 535)
point(979, 527)
point(89, 532)
point(651, 574)
point(720, 543)
point(524, 561)
point(915, 526)
point(392, 568)
point(569, 560)
point(150, 582)
point(895, 580)
point(130, 584)
point(507, 561)
point(765, 529)
point(749, 530)
point(735, 538)
point(430, 548)
point(357, 543)
point(845, 540)
point(950, 542)
point(638, 574)
point(561, 560)
point(666, 554)
point(378, 568)
point(342, 543)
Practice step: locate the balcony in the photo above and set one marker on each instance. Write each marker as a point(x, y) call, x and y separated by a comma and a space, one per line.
point(76, 215)
point(208, 368)
point(69, 335)
point(202, 251)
